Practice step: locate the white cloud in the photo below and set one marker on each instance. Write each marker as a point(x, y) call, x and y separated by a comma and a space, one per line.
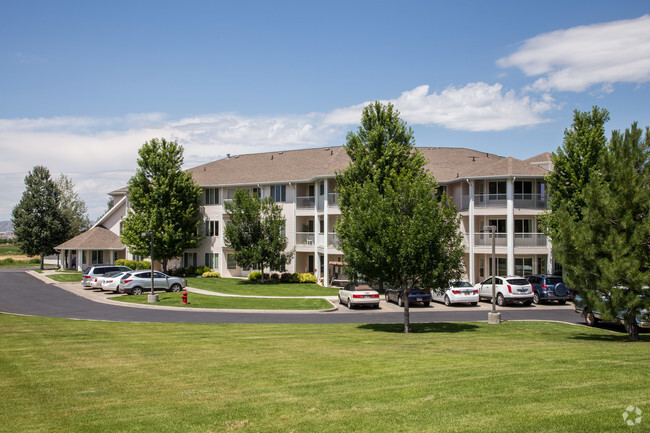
point(577, 58)
point(474, 107)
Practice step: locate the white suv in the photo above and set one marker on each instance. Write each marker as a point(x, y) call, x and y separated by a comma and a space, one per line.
point(507, 290)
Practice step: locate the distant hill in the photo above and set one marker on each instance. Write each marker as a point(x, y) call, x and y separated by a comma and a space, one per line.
point(6, 229)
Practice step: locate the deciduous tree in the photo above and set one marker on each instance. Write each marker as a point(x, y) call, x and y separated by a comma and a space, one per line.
point(256, 232)
point(396, 227)
point(163, 200)
point(73, 207)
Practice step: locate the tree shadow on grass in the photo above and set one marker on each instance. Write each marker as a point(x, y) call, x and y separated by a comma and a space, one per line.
point(617, 333)
point(420, 328)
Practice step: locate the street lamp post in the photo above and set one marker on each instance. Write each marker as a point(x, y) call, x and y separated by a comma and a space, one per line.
point(152, 298)
point(494, 318)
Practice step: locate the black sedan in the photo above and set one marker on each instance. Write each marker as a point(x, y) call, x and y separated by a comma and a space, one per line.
point(416, 296)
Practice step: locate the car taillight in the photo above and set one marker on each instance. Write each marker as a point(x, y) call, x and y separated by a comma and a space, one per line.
point(108, 281)
point(476, 292)
point(358, 296)
point(456, 292)
point(374, 296)
point(544, 286)
point(127, 281)
point(509, 289)
point(86, 276)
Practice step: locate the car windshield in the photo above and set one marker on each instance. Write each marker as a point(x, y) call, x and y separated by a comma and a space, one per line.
point(460, 284)
point(362, 287)
point(517, 281)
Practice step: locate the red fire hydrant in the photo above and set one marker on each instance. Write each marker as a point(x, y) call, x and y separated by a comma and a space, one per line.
point(184, 296)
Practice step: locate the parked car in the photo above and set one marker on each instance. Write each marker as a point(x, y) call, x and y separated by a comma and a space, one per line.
point(111, 284)
point(507, 290)
point(91, 272)
point(356, 294)
point(96, 282)
point(548, 288)
point(459, 292)
point(592, 317)
point(415, 296)
point(138, 282)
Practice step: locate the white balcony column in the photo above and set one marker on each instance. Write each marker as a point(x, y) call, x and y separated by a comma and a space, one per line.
point(326, 236)
point(472, 230)
point(316, 232)
point(79, 264)
point(510, 224)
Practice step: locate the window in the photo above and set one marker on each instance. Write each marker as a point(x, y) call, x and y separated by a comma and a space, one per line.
point(497, 190)
point(212, 228)
point(523, 266)
point(311, 191)
point(212, 261)
point(230, 193)
point(211, 196)
point(502, 266)
point(541, 264)
point(523, 190)
point(541, 190)
point(257, 192)
point(189, 259)
point(523, 226)
point(499, 224)
point(230, 261)
point(322, 189)
point(97, 257)
point(279, 193)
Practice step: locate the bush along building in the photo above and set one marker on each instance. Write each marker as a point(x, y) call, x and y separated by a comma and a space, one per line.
point(487, 189)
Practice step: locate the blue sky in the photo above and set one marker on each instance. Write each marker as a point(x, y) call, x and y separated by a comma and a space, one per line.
point(84, 84)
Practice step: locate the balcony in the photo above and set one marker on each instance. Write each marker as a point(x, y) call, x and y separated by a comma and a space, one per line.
point(308, 239)
point(521, 240)
point(332, 240)
point(305, 202)
point(526, 201)
point(304, 238)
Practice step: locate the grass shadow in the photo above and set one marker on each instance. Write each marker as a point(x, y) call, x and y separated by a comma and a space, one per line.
point(420, 328)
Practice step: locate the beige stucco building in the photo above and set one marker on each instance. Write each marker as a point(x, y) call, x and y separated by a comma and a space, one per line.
point(487, 189)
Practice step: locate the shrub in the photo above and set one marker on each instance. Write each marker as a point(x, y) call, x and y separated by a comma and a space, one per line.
point(275, 277)
point(289, 278)
point(144, 264)
point(307, 278)
point(255, 276)
point(7, 261)
point(35, 261)
point(211, 274)
point(128, 263)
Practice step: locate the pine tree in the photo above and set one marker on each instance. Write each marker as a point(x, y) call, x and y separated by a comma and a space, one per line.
point(39, 223)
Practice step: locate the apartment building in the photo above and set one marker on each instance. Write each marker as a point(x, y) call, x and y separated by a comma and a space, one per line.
point(487, 189)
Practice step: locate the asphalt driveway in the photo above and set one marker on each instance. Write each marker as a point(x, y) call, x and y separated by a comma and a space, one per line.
point(22, 293)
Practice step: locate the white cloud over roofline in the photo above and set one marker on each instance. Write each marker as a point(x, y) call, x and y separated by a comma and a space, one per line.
point(580, 57)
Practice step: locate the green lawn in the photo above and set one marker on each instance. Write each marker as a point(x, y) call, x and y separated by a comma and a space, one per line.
point(62, 375)
point(207, 301)
point(66, 277)
point(237, 286)
point(10, 250)
point(33, 263)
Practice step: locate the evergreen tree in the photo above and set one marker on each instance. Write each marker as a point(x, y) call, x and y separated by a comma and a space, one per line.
point(256, 232)
point(73, 207)
point(38, 220)
point(610, 245)
point(394, 228)
point(573, 164)
point(163, 200)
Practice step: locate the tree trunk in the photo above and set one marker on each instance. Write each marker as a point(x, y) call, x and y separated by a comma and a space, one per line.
point(164, 265)
point(262, 266)
point(42, 261)
point(407, 317)
point(632, 329)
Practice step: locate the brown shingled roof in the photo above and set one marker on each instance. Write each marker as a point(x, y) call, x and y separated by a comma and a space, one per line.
point(542, 157)
point(97, 238)
point(507, 167)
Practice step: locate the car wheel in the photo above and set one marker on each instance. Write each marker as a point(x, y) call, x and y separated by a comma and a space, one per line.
point(399, 301)
point(350, 305)
point(501, 301)
point(473, 304)
point(447, 303)
point(590, 319)
point(561, 302)
point(376, 306)
point(136, 291)
point(176, 287)
point(426, 304)
point(526, 304)
point(536, 298)
point(340, 301)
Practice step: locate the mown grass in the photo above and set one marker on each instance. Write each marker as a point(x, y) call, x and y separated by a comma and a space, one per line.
point(10, 250)
point(12, 263)
point(60, 375)
point(237, 286)
point(66, 277)
point(197, 300)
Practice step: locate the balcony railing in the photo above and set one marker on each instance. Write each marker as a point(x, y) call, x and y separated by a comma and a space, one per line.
point(305, 202)
point(332, 240)
point(527, 201)
point(522, 240)
point(303, 238)
point(332, 199)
